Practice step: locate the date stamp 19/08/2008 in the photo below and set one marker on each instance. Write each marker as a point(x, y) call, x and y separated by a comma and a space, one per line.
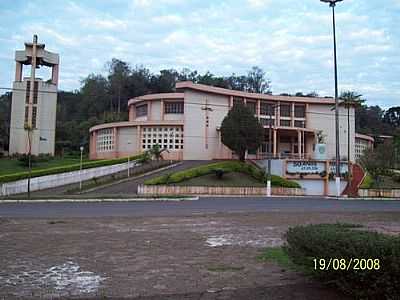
point(343, 264)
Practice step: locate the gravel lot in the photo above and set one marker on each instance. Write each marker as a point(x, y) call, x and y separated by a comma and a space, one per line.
point(196, 257)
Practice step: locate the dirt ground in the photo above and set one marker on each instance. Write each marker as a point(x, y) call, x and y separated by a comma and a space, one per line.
point(194, 257)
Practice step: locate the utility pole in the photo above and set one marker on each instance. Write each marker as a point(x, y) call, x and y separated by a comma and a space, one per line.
point(271, 108)
point(129, 161)
point(332, 4)
point(269, 151)
point(80, 169)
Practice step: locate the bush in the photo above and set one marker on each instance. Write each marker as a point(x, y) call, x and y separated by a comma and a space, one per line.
point(63, 169)
point(367, 182)
point(145, 157)
point(396, 178)
point(219, 173)
point(306, 243)
point(23, 160)
point(225, 166)
point(278, 181)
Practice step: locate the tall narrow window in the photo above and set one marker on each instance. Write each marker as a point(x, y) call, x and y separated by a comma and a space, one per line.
point(35, 92)
point(252, 106)
point(28, 90)
point(26, 114)
point(300, 111)
point(34, 115)
point(266, 109)
point(286, 110)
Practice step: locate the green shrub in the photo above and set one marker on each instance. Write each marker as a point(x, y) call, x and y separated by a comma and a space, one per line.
point(396, 177)
point(344, 241)
point(145, 157)
point(219, 173)
point(23, 160)
point(367, 182)
point(278, 181)
point(225, 166)
point(63, 169)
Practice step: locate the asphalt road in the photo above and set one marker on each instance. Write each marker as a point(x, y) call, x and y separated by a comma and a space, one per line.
point(206, 205)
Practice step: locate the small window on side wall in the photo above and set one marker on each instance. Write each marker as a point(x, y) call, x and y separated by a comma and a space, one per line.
point(141, 110)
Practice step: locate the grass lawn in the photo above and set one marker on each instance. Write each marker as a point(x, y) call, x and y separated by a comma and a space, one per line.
point(10, 166)
point(231, 179)
point(279, 256)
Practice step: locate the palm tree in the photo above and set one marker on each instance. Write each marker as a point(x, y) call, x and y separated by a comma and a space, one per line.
point(350, 99)
point(156, 152)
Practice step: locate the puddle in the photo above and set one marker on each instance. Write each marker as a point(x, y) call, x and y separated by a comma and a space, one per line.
point(243, 240)
point(67, 278)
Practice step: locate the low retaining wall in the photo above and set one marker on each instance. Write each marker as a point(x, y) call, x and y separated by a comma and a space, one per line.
point(50, 181)
point(383, 193)
point(209, 190)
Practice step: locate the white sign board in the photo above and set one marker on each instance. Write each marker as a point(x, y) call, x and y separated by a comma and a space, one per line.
point(305, 167)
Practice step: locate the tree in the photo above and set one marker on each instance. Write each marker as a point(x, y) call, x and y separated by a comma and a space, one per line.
point(139, 82)
point(119, 72)
point(380, 160)
point(94, 96)
point(350, 99)
point(256, 81)
point(241, 131)
point(396, 144)
point(392, 117)
point(164, 82)
point(369, 120)
point(156, 152)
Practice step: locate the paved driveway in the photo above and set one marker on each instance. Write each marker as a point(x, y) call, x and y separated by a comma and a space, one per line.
point(130, 187)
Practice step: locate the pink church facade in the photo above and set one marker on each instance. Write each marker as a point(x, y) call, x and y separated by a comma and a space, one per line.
point(187, 124)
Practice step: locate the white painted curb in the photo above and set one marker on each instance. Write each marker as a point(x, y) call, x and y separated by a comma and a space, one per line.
point(98, 200)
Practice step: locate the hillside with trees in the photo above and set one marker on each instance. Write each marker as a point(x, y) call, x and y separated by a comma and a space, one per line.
point(104, 98)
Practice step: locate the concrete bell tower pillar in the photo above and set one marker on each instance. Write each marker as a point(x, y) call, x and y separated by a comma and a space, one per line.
point(34, 102)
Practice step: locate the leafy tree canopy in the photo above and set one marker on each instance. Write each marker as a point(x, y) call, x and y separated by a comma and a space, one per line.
point(241, 130)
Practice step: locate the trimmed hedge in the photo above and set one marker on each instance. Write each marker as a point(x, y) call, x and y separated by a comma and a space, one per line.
point(225, 166)
point(344, 241)
point(63, 169)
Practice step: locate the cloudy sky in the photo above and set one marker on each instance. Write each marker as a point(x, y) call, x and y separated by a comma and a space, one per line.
point(291, 40)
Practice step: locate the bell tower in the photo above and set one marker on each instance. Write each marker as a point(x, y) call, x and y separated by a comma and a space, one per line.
point(34, 102)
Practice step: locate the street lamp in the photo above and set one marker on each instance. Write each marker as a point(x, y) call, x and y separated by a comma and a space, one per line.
point(271, 107)
point(332, 3)
point(80, 169)
point(129, 167)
